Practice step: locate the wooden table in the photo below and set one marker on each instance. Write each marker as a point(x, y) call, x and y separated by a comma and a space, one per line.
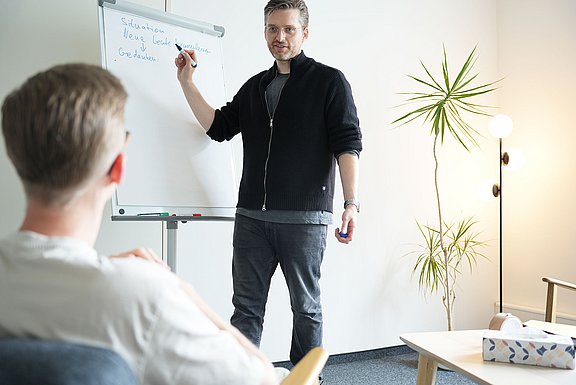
point(461, 351)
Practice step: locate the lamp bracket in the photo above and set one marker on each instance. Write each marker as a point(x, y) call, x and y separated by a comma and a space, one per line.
point(496, 190)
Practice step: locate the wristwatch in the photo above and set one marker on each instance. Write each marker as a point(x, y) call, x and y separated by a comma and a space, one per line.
point(354, 202)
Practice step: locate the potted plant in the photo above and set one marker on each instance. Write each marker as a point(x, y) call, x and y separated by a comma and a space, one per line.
point(447, 246)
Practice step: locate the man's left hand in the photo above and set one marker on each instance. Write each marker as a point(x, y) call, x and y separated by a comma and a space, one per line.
point(144, 253)
point(345, 234)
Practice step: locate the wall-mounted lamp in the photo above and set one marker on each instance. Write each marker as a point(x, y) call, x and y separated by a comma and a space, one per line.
point(500, 127)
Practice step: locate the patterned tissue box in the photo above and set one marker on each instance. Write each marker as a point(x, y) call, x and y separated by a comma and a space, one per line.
point(529, 347)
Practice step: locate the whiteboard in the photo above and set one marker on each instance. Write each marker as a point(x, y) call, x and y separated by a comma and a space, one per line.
point(172, 165)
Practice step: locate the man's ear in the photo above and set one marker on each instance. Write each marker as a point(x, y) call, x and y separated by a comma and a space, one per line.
point(117, 170)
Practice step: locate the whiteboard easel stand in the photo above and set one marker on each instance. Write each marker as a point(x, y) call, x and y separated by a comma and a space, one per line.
point(169, 231)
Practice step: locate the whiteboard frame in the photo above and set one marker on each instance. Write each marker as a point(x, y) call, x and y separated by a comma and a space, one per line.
point(138, 212)
point(140, 10)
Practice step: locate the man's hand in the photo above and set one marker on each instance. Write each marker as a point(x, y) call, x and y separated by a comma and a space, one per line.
point(345, 234)
point(144, 253)
point(184, 62)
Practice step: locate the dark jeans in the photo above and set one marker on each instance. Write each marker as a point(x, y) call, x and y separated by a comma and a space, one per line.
point(259, 247)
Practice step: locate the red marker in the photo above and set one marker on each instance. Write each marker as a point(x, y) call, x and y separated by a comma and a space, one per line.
point(196, 215)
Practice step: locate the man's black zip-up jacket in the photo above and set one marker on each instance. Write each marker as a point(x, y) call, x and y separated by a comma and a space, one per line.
point(289, 161)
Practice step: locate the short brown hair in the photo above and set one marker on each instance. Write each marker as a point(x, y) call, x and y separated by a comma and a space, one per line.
point(62, 127)
point(274, 5)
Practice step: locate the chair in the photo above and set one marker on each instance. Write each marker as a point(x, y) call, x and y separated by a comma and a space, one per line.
point(26, 361)
point(550, 325)
point(551, 297)
point(307, 370)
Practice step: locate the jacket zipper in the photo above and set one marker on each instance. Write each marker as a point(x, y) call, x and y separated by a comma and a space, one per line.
point(271, 116)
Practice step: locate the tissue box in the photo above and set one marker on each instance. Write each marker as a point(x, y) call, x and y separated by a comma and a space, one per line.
point(529, 348)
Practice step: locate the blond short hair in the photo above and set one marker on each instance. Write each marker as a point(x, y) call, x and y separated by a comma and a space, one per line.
point(300, 5)
point(61, 128)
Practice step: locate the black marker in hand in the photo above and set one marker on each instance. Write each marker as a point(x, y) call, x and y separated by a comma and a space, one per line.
point(181, 50)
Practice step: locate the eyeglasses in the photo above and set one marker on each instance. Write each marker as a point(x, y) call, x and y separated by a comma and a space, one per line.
point(274, 30)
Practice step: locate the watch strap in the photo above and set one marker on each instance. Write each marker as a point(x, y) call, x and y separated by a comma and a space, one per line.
point(354, 202)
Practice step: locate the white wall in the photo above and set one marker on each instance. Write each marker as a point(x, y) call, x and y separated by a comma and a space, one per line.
point(537, 52)
point(369, 295)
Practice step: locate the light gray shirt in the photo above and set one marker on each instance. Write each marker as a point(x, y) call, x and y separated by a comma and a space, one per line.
point(60, 288)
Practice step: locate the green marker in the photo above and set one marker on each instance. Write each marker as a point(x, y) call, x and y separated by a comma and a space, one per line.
point(154, 214)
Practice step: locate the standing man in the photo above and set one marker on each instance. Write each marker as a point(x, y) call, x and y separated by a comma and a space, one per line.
point(297, 120)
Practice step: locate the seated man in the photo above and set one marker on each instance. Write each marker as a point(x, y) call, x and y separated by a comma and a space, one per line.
point(64, 133)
